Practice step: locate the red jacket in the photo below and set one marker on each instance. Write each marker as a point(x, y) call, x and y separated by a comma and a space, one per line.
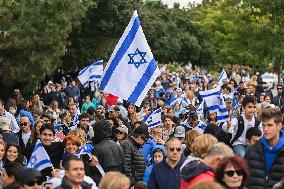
point(194, 172)
point(206, 176)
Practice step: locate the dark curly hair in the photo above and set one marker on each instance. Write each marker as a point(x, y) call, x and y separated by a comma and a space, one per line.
point(238, 163)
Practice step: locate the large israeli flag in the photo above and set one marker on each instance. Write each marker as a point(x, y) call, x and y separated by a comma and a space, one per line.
point(215, 103)
point(39, 158)
point(131, 69)
point(222, 76)
point(91, 72)
point(154, 118)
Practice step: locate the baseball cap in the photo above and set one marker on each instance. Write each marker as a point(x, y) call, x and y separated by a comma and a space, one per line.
point(123, 129)
point(114, 108)
point(30, 175)
point(178, 90)
point(5, 123)
point(179, 131)
point(228, 99)
point(119, 101)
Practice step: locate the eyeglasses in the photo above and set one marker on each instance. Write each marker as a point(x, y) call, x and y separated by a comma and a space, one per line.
point(24, 124)
point(279, 88)
point(172, 149)
point(231, 173)
point(32, 183)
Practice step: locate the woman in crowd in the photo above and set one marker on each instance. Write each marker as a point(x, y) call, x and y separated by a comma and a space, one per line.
point(232, 173)
point(191, 99)
point(177, 109)
point(72, 146)
point(157, 134)
point(168, 127)
point(200, 147)
point(36, 104)
point(54, 111)
point(189, 139)
point(10, 175)
point(35, 132)
point(11, 106)
point(44, 97)
point(12, 154)
point(114, 180)
point(212, 118)
point(132, 115)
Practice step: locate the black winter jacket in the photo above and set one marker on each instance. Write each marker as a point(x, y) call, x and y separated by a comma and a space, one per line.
point(109, 153)
point(256, 161)
point(134, 160)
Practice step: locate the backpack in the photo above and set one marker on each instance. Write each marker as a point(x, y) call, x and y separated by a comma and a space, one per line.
point(222, 136)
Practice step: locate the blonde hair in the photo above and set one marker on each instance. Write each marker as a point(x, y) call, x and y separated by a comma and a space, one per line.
point(114, 180)
point(206, 185)
point(189, 138)
point(80, 134)
point(202, 144)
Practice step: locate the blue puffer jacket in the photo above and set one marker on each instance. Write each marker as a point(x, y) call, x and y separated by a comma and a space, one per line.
point(149, 169)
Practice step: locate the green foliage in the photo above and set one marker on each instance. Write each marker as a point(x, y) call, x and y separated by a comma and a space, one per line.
point(34, 37)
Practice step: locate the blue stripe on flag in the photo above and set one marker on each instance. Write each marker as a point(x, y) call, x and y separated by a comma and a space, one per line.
point(154, 124)
point(222, 117)
point(37, 146)
point(46, 161)
point(95, 76)
point(143, 81)
point(221, 75)
point(98, 63)
point(120, 53)
point(211, 94)
point(84, 70)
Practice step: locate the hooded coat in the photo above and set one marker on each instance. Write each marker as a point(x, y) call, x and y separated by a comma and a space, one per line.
point(149, 169)
point(265, 163)
point(109, 153)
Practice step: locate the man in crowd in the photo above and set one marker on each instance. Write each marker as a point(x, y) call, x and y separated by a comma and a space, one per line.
point(24, 134)
point(134, 160)
point(265, 158)
point(278, 100)
point(3, 113)
point(166, 174)
point(31, 179)
point(74, 174)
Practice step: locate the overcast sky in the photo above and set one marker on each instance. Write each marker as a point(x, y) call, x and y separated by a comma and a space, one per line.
point(181, 2)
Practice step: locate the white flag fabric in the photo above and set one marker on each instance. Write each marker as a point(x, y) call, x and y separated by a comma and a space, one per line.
point(91, 72)
point(222, 76)
point(39, 159)
point(131, 69)
point(154, 118)
point(215, 103)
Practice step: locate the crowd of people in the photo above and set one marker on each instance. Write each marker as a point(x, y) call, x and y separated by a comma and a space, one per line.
point(97, 140)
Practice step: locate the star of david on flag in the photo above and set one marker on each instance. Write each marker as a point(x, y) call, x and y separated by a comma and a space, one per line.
point(131, 69)
point(154, 118)
point(39, 158)
point(136, 54)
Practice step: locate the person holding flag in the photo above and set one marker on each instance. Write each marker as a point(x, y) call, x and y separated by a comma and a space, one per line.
point(53, 155)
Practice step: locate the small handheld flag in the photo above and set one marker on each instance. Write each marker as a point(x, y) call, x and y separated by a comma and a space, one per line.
point(222, 76)
point(154, 118)
point(91, 72)
point(39, 158)
point(131, 69)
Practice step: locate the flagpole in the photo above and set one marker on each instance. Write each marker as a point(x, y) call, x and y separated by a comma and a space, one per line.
point(151, 107)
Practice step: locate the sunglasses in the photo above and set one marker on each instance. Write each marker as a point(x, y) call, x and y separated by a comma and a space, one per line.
point(172, 149)
point(279, 88)
point(231, 173)
point(32, 183)
point(24, 124)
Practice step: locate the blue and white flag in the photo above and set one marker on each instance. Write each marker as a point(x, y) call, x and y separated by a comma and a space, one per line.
point(87, 149)
point(154, 118)
point(215, 103)
point(91, 72)
point(222, 76)
point(131, 69)
point(200, 109)
point(39, 159)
